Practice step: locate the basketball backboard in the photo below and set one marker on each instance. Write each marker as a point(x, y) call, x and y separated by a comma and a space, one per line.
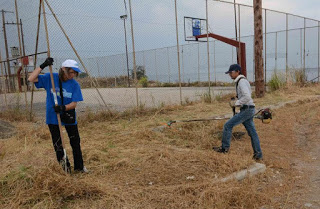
point(194, 27)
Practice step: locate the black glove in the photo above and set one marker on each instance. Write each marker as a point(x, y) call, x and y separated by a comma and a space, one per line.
point(59, 108)
point(49, 61)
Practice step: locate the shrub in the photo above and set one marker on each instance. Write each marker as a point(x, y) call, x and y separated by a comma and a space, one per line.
point(299, 76)
point(144, 81)
point(277, 81)
point(206, 97)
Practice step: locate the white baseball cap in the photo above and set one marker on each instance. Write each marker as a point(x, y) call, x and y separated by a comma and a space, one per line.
point(72, 64)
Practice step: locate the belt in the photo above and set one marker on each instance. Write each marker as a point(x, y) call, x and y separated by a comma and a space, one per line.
point(246, 107)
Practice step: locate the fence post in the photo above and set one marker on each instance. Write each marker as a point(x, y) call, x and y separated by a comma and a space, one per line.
point(10, 83)
point(276, 53)
point(301, 59)
point(214, 62)
point(168, 63)
point(3, 79)
point(182, 60)
point(178, 50)
point(304, 46)
point(134, 56)
point(155, 64)
point(287, 47)
point(239, 15)
point(20, 52)
point(318, 51)
point(35, 58)
point(199, 62)
point(208, 50)
point(265, 48)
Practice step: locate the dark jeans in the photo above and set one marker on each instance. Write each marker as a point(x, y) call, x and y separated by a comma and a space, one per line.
point(246, 118)
point(74, 137)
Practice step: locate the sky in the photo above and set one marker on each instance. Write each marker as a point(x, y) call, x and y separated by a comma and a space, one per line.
point(306, 8)
point(154, 21)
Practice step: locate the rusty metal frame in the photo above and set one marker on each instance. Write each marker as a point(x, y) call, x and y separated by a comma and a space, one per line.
point(240, 45)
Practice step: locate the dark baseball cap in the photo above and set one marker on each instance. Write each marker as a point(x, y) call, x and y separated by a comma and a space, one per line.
point(234, 67)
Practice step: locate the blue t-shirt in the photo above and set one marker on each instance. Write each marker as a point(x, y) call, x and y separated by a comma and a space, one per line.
point(71, 93)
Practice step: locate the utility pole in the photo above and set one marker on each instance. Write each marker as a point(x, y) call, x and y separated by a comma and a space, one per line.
point(6, 46)
point(124, 17)
point(258, 48)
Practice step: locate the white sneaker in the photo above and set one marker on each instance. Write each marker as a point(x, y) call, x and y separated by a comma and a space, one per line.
point(85, 170)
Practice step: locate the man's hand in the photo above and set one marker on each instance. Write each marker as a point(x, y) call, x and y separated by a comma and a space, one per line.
point(49, 61)
point(232, 102)
point(59, 108)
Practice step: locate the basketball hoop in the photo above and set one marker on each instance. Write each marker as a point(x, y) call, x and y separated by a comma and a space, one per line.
point(194, 27)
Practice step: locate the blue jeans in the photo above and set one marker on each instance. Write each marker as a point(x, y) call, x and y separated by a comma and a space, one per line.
point(246, 118)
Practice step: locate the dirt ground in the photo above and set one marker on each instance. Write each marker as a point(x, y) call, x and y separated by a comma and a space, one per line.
point(134, 167)
point(308, 140)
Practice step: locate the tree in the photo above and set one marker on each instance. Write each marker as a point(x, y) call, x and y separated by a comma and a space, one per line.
point(258, 48)
point(141, 72)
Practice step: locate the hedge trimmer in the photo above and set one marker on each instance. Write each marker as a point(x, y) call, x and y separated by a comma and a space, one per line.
point(265, 115)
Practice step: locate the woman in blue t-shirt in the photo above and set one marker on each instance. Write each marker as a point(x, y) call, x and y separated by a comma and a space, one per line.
point(70, 89)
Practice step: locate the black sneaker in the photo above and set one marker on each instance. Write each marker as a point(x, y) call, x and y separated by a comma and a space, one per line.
point(84, 170)
point(257, 158)
point(220, 149)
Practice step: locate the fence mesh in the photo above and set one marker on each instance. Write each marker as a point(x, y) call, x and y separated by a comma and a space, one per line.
point(101, 32)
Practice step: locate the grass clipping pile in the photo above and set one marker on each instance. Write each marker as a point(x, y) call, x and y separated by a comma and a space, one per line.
point(134, 167)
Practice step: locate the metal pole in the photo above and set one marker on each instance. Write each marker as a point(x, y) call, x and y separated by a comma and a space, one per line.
point(232, 54)
point(178, 50)
point(3, 79)
point(35, 57)
point(24, 55)
point(76, 53)
point(208, 50)
point(199, 62)
point(287, 46)
point(20, 51)
point(236, 29)
point(304, 46)
point(134, 56)
point(144, 59)
point(276, 53)
point(125, 38)
point(301, 64)
point(168, 63)
point(318, 51)
point(265, 48)
point(182, 60)
point(7, 52)
point(98, 67)
point(155, 63)
point(22, 39)
point(239, 35)
point(214, 62)
point(53, 86)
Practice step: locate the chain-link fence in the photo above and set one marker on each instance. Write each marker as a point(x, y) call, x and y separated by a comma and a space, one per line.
point(101, 33)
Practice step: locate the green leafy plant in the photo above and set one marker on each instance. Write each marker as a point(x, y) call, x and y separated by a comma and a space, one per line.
point(277, 81)
point(144, 82)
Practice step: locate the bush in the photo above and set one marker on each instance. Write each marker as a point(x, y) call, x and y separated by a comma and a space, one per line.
point(300, 76)
point(144, 81)
point(206, 97)
point(277, 81)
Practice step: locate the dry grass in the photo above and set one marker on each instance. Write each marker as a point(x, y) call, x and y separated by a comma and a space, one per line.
point(134, 167)
point(16, 114)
